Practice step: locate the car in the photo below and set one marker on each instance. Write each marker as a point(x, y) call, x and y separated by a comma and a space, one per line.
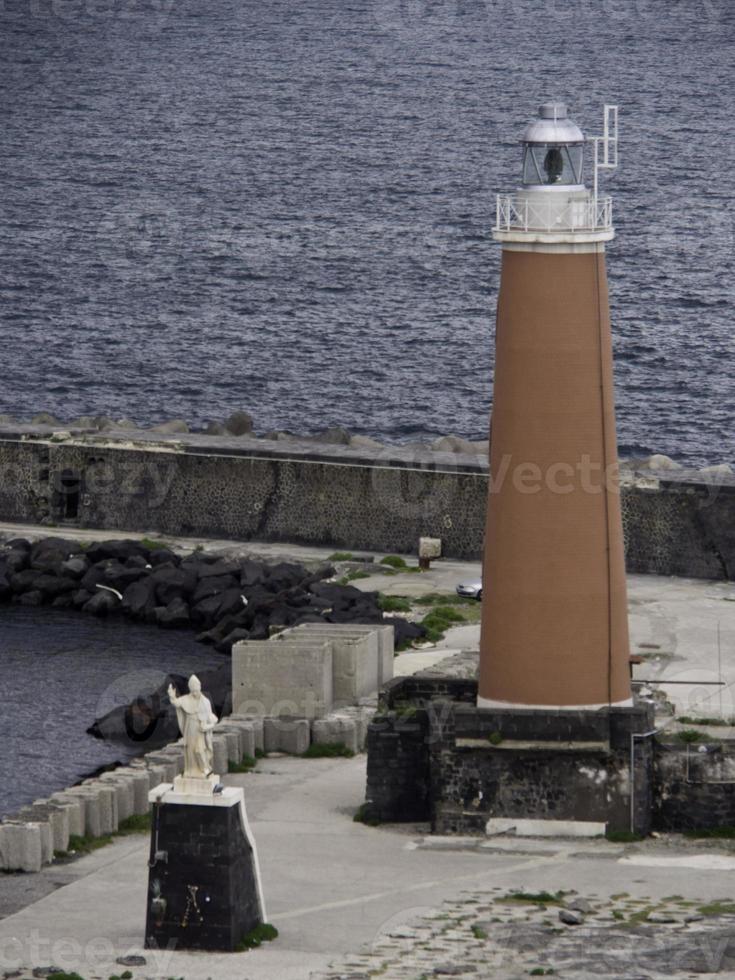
point(471, 590)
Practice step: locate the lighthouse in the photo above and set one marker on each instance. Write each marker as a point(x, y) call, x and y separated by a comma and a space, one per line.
point(554, 620)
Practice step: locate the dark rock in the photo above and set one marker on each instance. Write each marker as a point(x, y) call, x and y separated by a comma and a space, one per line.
point(570, 917)
point(93, 576)
point(206, 610)
point(18, 560)
point(50, 552)
point(53, 585)
point(285, 575)
point(81, 598)
point(32, 598)
point(160, 556)
point(137, 561)
point(5, 588)
point(150, 719)
point(121, 576)
point(239, 424)
point(120, 549)
point(63, 601)
point(252, 573)
point(173, 616)
point(139, 599)
point(218, 569)
point(225, 645)
point(230, 603)
point(403, 630)
point(132, 960)
point(213, 586)
point(18, 544)
point(74, 567)
point(173, 583)
point(102, 603)
point(22, 581)
point(335, 435)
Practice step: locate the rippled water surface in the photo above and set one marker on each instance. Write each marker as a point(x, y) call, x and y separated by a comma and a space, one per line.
point(285, 206)
point(59, 671)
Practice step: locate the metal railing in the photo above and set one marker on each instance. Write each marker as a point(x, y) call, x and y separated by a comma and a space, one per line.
point(515, 213)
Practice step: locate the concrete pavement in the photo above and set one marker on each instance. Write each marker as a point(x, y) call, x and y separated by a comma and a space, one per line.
point(332, 886)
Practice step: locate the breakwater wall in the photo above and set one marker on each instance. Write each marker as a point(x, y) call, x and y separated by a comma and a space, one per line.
point(677, 522)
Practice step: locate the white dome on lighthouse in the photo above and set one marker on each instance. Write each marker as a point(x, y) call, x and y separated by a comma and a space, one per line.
point(553, 126)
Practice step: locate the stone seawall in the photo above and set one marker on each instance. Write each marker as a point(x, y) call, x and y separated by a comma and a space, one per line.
point(676, 522)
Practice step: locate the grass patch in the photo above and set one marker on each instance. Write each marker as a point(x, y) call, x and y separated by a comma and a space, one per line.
point(534, 898)
point(341, 556)
point(622, 837)
point(127, 975)
point(478, 932)
point(139, 823)
point(689, 735)
point(687, 720)
point(264, 933)
point(717, 908)
point(334, 750)
point(495, 738)
point(448, 599)
point(393, 603)
point(394, 561)
point(352, 576)
point(438, 621)
point(363, 815)
point(715, 833)
point(154, 544)
point(539, 971)
point(246, 764)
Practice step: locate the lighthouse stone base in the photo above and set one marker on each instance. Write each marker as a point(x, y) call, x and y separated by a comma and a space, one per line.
point(204, 882)
point(534, 771)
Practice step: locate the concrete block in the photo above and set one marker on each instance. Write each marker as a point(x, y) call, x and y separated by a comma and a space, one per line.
point(74, 811)
point(253, 724)
point(165, 762)
point(57, 818)
point(292, 735)
point(233, 742)
point(335, 730)
point(21, 848)
point(92, 810)
point(124, 793)
point(283, 677)
point(175, 752)
point(219, 744)
point(382, 642)
point(106, 801)
point(140, 783)
point(27, 817)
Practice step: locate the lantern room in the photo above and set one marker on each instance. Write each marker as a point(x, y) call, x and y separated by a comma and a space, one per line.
point(553, 151)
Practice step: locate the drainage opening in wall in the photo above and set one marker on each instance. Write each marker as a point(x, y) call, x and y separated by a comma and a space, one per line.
point(68, 495)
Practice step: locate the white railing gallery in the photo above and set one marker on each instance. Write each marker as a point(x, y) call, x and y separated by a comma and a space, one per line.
point(515, 213)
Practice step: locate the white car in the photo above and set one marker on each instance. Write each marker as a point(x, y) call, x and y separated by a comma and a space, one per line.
point(472, 590)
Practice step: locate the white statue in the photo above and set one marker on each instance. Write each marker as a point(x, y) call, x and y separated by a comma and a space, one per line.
point(196, 721)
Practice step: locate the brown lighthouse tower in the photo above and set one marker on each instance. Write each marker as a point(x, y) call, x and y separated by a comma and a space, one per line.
point(554, 625)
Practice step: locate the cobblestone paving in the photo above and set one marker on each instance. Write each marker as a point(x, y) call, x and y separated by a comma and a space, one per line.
point(509, 936)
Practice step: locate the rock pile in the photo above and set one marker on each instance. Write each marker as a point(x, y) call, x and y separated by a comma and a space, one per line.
point(224, 599)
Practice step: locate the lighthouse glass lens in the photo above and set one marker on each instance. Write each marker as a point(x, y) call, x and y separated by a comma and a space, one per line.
point(549, 163)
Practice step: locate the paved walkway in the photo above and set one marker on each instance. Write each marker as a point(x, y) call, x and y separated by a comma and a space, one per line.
point(334, 887)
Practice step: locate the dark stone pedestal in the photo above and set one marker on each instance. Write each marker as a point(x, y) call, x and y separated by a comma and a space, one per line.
point(203, 883)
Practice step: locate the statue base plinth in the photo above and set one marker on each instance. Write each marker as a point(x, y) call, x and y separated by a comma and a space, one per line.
point(204, 887)
point(196, 784)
